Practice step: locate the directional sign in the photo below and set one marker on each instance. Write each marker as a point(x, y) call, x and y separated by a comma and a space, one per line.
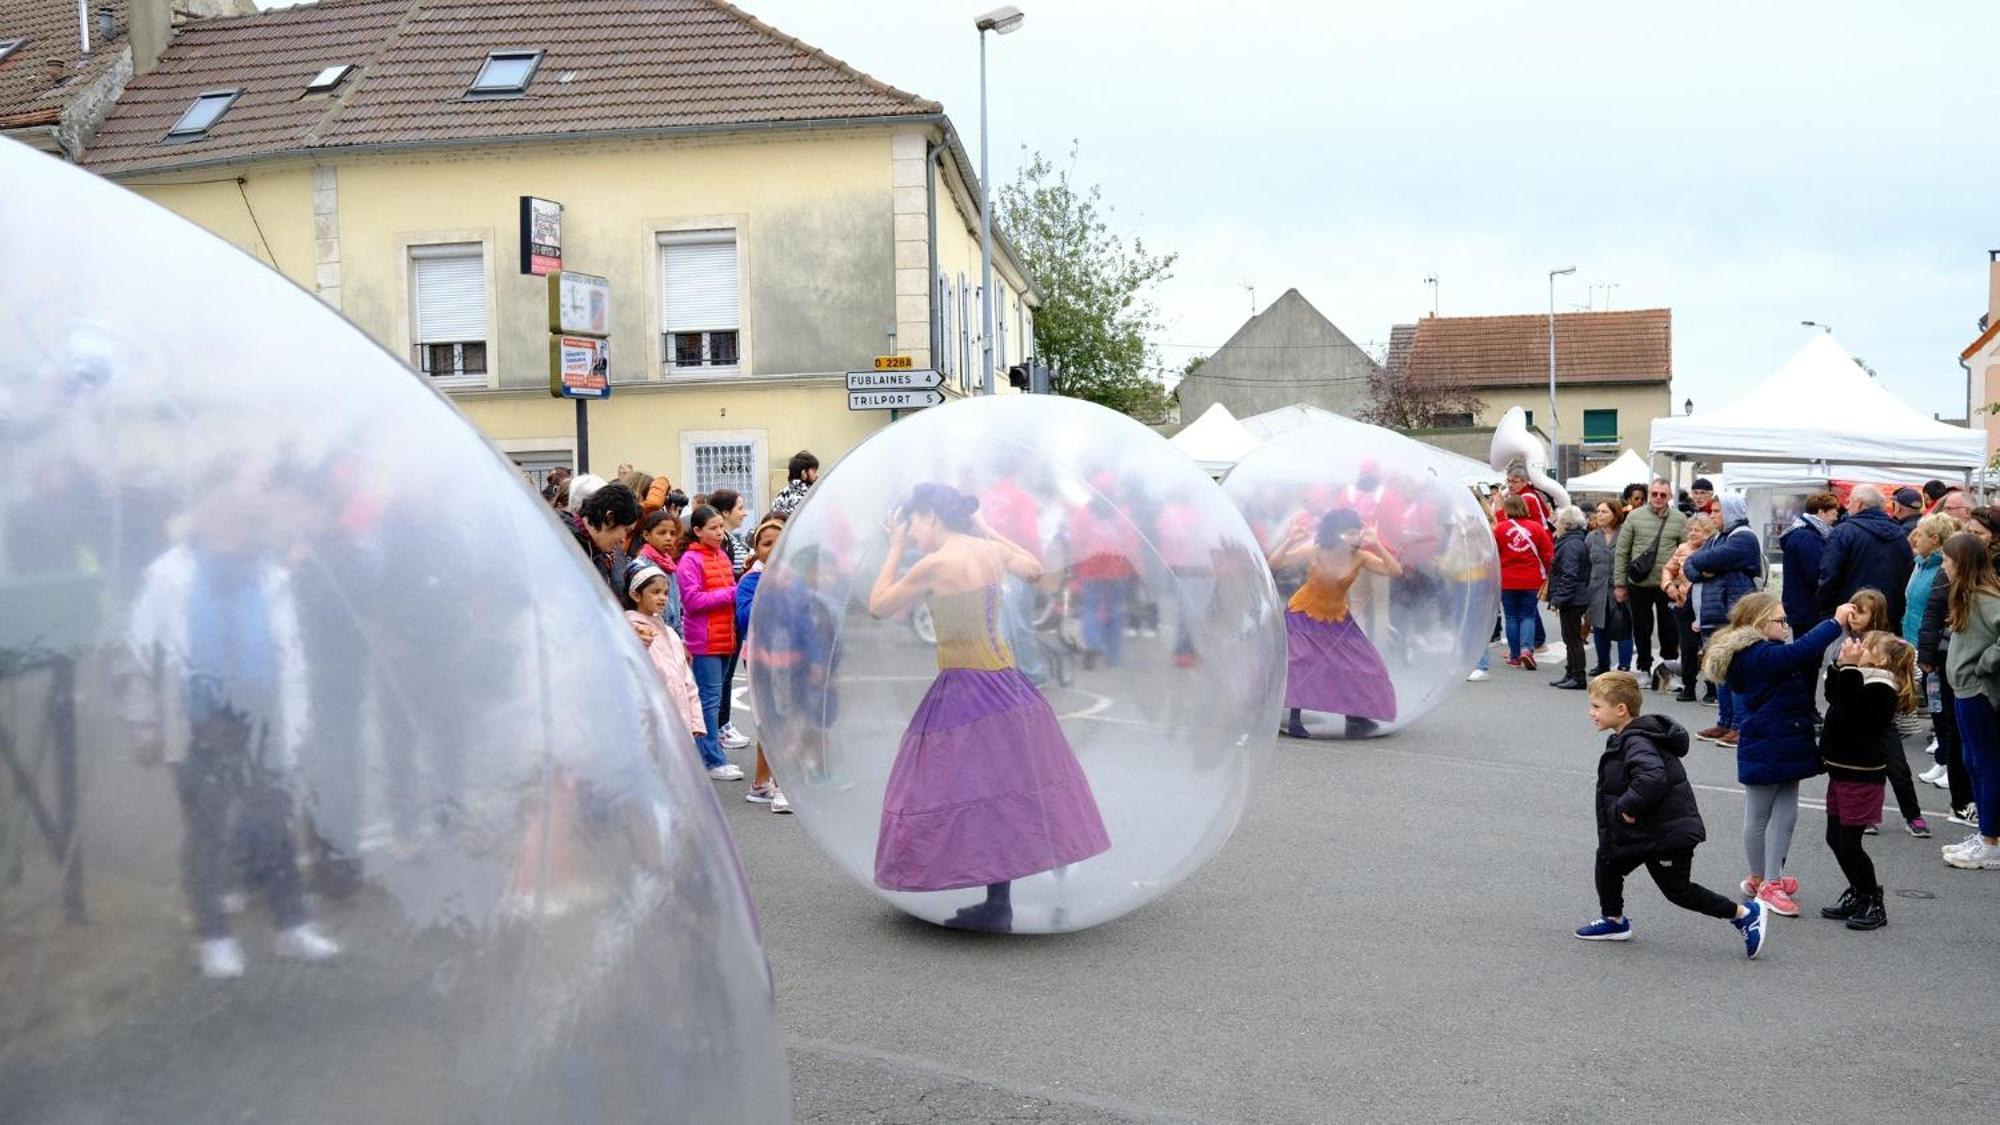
point(893, 400)
point(920, 379)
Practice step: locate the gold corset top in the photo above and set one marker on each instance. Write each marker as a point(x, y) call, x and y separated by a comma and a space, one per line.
point(968, 630)
point(1324, 597)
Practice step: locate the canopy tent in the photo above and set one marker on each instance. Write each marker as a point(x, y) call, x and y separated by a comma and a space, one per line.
point(1811, 477)
point(1630, 468)
point(1285, 419)
point(1470, 471)
point(1215, 441)
point(1821, 407)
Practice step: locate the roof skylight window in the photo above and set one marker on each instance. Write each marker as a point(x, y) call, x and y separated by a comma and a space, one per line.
point(208, 108)
point(329, 78)
point(9, 46)
point(505, 74)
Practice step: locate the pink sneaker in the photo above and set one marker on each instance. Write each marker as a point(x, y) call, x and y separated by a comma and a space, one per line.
point(1787, 884)
point(1772, 894)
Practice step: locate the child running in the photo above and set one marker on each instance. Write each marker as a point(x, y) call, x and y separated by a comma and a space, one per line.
point(1775, 747)
point(1647, 816)
point(1871, 682)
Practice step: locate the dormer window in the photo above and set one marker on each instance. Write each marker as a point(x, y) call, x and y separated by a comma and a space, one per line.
point(208, 108)
point(328, 78)
point(506, 74)
point(9, 46)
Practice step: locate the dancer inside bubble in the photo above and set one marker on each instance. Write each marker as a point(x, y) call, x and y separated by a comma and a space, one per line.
point(1332, 666)
point(985, 788)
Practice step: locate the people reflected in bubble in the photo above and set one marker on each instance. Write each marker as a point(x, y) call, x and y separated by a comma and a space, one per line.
point(985, 788)
point(1331, 664)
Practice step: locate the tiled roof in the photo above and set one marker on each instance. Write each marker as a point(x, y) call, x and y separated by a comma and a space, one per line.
point(1401, 337)
point(1625, 346)
point(37, 79)
point(610, 66)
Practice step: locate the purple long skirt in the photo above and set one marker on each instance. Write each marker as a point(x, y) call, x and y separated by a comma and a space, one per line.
point(985, 789)
point(1331, 666)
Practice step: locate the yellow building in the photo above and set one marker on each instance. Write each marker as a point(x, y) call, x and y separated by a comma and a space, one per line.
point(768, 217)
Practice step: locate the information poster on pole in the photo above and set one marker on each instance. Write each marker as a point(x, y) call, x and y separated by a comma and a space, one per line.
point(579, 367)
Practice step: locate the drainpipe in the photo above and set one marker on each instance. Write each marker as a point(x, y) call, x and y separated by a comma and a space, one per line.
point(931, 170)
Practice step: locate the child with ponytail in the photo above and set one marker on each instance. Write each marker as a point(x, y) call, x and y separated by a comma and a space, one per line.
point(1872, 680)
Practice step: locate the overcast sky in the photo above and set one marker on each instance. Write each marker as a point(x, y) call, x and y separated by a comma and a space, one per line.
point(1747, 165)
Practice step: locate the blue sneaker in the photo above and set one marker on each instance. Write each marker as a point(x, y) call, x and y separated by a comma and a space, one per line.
point(1752, 927)
point(1604, 929)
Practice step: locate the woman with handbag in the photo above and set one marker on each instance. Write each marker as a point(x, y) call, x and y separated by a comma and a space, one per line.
point(1609, 619)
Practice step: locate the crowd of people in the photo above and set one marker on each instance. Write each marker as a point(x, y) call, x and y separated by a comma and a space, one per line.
point(1887, 626)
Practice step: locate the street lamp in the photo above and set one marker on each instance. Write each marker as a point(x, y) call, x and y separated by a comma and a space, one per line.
point(1687, 407)
point(1827, 328)
point(1555, 427)
point(1000, 21)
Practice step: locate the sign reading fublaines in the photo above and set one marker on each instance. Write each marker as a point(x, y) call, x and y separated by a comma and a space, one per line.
point(916, 379)
point(579, 367)
point(541, 236)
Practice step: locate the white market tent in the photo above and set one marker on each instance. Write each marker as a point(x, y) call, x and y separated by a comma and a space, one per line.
point(1468, 470)
point(1761, 474)
point(1627, 469)
point(1215, 441)
point(1821, 408)
point(1285, 419)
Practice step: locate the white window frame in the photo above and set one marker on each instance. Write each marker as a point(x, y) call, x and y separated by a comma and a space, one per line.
point(759, 442)
point(328, 78)
point(684, 235)
point(452, 249)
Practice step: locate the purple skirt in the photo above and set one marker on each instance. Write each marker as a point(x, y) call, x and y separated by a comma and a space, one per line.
point(1854, 803)
point(985, 789)
point(1331, 666)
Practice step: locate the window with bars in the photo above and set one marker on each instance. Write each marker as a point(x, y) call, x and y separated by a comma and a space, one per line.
point(700, 313)
point(727, 464)
point(448, 290)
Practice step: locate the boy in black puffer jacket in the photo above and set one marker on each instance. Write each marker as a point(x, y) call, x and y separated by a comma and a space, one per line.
point(1647, 816)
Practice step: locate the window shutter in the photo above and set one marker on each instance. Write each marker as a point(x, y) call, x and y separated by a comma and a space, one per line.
point(451, 298)
point(698, 291)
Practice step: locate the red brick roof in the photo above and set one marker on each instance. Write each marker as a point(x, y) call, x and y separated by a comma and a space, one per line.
point(610, 66)
point(1623, 346)
point(39, 78)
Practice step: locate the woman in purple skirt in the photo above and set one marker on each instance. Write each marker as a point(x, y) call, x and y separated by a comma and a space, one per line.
point(985, 788)
point(1331, 665)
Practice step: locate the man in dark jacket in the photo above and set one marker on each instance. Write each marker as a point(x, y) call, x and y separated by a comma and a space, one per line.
point(1647, 816)
point(1803, 544)
point(1867, 549)
point(1569, 592)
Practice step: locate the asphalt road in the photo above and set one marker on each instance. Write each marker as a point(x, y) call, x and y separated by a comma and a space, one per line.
point(1387, 938)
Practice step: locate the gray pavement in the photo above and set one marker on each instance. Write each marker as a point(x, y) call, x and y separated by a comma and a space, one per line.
point(1386, 938)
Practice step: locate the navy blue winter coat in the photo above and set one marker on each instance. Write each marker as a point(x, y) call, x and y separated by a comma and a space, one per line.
point(1774, 685)
point(1569, 574)
point(1868, 549)
point(1727, 568)
point(1803, 546)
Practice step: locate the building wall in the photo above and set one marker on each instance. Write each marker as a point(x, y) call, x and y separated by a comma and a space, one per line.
point(958, 258)
point(1637, 405)
point(1289, 354)
point(818, 217)
point(1986, 368)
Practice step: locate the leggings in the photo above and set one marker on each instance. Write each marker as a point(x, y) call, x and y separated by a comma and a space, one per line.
point(1950, 750)
point(1845, 840)
point(1770, 813)
point(1904, 786)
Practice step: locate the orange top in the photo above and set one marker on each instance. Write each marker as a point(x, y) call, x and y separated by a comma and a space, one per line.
point(1324, 597)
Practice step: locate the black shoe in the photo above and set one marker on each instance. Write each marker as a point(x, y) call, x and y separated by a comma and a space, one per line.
point(1848, 906)
point(1568, 683)
point(1598, 671)
point(991, 917)
point(1358, 727)
point(1684, 696)
point(1872, 915)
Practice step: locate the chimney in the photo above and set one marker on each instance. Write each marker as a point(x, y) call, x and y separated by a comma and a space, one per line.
point(107, 25)
point(150, 24)
point(1993, 287)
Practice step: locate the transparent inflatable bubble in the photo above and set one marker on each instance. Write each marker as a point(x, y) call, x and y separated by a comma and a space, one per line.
point(1386, 564)
point(336, 788)
point(1015, 661)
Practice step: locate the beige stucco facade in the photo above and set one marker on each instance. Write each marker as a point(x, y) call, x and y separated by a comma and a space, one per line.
point(1637, 405)
point(833, 236)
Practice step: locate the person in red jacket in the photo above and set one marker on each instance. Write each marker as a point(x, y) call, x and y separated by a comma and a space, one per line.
point(707, 578)
point(1525, 553)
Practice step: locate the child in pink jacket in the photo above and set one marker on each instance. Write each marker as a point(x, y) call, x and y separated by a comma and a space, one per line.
point(646, 594)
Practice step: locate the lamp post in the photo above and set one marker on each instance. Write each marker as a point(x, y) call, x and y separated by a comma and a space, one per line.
point(1687, 407)
point(1001, 21)
point(1555, 427)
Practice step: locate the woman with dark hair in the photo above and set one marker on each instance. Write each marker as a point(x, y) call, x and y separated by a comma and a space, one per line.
point(1972, 663)
point(1608, 620)
point(1634, 497)
point(1331, 664)
point(707, 579)
point(983, 742)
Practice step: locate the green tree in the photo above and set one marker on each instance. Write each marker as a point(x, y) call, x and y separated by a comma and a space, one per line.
point(1097, 314)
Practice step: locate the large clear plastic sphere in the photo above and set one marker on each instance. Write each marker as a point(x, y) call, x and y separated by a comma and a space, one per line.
point(336, 788)
point(1014, 662)
point(1386, 564)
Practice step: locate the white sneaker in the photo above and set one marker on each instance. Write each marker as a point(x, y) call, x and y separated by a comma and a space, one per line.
point(221, 958)
point(1932, 774)
point(726, 772)
point(1932, 749)
point(1981, 856)
point(1971, 840)
point(731, 738)
point(304, 942)
point(780, 803)
point(1477, 676)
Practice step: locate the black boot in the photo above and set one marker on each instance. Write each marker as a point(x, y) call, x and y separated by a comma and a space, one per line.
point(1872, 915)
point(1848, 906)
point(1598, 671)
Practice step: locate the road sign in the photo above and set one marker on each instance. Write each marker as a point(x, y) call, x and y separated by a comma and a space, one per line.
point(579, 367)
point(917, 380)
point(894, 362)
point(893, 400)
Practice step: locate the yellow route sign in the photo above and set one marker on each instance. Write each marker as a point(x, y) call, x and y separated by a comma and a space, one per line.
point(894, 362)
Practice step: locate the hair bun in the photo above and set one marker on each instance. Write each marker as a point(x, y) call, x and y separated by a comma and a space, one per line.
point(966, 506)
